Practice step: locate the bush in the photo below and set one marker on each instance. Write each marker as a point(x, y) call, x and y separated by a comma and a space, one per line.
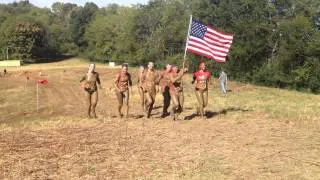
point(270, 75)
point(314, 83)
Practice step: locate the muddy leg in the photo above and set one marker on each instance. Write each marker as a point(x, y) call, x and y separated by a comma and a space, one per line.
point(205, 100)
point(88, 102)
point(148, 104)
point(141, 98)
point(153, 96)
point(199, 96)
point(198, 100)
point(166, 101)
point(126, 102)
point(94, 98)
point(181, 100)
point(175, 106)
point(120, 102)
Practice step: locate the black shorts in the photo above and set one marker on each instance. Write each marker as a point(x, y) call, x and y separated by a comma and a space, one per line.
point(90, 90)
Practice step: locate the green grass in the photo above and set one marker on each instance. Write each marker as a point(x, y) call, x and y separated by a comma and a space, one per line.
point(276, 103)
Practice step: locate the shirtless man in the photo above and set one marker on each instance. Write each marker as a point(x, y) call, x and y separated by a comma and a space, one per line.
point(164, 84)
point(122, 85)
point(150, 80)
point(91, 79)
point(201, 78)
point(140, 86)
point(176, 91)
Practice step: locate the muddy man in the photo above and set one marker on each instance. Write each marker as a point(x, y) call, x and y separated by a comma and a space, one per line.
point(201, 78)
point(122, 84)
point(176, 91)
point(91, 79)
point(164, 84)
point(150, 80)
point(140, 86)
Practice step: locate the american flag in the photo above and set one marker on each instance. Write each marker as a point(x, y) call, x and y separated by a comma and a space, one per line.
point(206, 41)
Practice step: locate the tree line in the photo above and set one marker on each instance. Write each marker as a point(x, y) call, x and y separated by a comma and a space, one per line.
point(276, 42)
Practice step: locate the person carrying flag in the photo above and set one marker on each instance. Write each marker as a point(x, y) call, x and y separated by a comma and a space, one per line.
point(201, 78)
point(90, 81)
point(122, 85)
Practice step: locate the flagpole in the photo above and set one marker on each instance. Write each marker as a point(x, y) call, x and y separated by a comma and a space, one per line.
point(185, 50)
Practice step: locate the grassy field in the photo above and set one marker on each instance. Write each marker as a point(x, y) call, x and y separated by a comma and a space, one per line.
point(253, 133)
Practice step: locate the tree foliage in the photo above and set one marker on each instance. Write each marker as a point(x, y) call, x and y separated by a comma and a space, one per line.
point(276, 42)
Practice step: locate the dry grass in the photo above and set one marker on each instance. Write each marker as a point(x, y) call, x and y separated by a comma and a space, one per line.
point(254, 133)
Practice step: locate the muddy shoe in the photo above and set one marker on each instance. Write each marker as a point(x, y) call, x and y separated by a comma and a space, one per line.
point(179, 117)
point(175, 117)
point(163, 115)
point(94, 116)
point(198, 111)
point(146, 115)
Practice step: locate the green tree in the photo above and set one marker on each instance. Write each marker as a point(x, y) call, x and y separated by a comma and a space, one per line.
point(80, 18)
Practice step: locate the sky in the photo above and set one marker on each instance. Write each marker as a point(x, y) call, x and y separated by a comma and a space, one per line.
point(100, 3)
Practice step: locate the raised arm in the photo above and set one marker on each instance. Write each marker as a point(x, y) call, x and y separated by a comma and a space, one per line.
point(175, 79)
point(130, 80)
point(193, 79)
point(83, 78)
point(98, 81)
point(116, 80)
point(160, 76)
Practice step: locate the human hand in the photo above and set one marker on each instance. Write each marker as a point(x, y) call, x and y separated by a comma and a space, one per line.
point(185, 70)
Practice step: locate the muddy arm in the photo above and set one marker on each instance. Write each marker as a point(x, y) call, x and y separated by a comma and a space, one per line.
point(98, 81)
point(175, 79)
point(83, 78)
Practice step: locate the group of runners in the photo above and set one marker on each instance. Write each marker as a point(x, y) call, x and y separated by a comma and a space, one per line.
point(149, 81)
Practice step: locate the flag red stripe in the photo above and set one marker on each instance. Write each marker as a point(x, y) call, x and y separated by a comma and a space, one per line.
point(220, 33)
point(200, 53)
point(205, 47)
point(208, 54)
point(215, 43)
point(209, 42)
point(205, 55)
point(217, 39)
point(205, 43)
